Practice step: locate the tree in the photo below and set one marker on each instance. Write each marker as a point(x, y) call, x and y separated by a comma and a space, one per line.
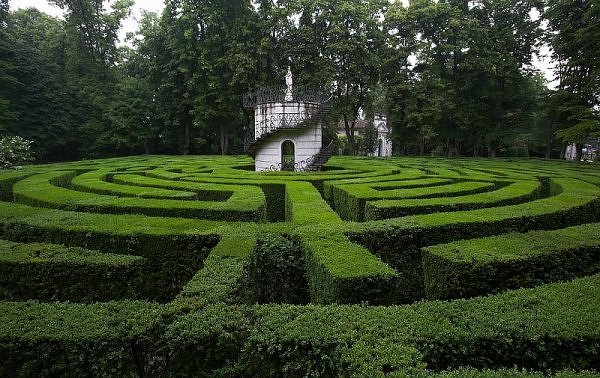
point(469, 85)
point(91, 55)
point(7, 78)
point(575, 39)
point(133, 117)
point(231, 67)
point(36, 94)
point(209, 62)
point(337, 46)
point(355, 42)
point(94, 29)
point(504, 40)
point(370, 139)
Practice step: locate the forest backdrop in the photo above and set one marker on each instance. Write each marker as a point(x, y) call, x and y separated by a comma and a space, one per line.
point(455, 77)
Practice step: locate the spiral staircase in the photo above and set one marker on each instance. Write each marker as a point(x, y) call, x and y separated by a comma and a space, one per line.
point(276, 124)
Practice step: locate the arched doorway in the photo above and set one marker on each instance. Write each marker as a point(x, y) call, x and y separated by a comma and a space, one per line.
point(288, 156)
point(380, 149)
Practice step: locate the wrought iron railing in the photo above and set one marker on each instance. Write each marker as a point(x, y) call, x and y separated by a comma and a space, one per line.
point(299, 166)
point(303, 165)
point(283, 121)
point(277, 122)
point(278, 94)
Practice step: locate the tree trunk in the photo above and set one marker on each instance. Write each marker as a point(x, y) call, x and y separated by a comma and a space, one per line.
point(563, 151)
point(187, 138)
point(548, 154)
point(223, 140)
point(421, 144)
point(491, 152)
point(579, 149)
point(550, 141)
point(450, 147)
point(349, 128)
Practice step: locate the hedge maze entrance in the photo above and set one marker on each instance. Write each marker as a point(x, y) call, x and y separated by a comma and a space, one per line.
point(197, 266)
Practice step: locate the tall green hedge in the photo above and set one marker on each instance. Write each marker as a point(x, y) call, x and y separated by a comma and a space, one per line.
point(54, 272)
point(296, 248)
point(552, 328)
point(275, 271)
point(489, 265)
point(61, 339)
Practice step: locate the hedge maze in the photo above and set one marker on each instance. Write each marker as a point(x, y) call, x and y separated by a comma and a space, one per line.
point(198, 266)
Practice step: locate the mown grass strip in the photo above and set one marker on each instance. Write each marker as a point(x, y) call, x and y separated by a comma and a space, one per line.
point(305, 206)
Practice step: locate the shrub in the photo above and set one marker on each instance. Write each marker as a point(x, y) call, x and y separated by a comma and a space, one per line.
point(489, 265)
point(398, 242)
point(522, 152)
point(350, 200)
point(62, 339)
point(53, 272)
point(202, 270)
point(275, 271)
point(549, 328)
point(340, 271)
point(48, 190)
point(512, 194)
point(15, 152)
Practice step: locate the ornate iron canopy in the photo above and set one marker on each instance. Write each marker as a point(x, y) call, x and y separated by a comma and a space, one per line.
point(278, 94)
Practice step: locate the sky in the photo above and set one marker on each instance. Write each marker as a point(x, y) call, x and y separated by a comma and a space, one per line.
point(130, 25)
point(543, 62)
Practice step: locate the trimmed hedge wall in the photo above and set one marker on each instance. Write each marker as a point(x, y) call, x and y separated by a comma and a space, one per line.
point(399, 242)
point(340, 271)
point(275, 271)
point(99, 182)
point(489, 333)
point(171, 259)
point(105, 339)
point(205, 192)
point(39, 191)
point(489, 265)
point(350, 200)
point(298, 249)
point(53, 272)
point(131, 235)
point(7, 180)
point(122, 338)
point(275, 201)
point(515, 193)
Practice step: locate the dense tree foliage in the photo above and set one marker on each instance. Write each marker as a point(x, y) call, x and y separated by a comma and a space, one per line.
point(575, 39)
point(454, 77)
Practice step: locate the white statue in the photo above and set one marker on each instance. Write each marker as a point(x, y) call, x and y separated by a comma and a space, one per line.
point(288, 82)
